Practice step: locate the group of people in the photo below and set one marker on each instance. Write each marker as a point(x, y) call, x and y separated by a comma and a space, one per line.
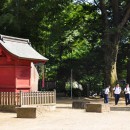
point(117, 91)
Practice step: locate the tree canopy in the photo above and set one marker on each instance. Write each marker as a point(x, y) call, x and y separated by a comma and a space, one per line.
point(90, 38)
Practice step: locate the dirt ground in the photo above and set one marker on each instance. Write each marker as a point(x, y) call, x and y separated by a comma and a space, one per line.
point(66, 118)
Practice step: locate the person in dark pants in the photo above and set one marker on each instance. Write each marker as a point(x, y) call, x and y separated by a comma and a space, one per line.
point(117, 91)
point(127, 94)
point(106, 94)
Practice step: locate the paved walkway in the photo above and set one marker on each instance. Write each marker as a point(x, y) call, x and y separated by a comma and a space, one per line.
point(66, 118)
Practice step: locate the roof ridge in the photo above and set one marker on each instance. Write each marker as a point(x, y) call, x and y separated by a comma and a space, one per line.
point(21, 48)
point(10, 38)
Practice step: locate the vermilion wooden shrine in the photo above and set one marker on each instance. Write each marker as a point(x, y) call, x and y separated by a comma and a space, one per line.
point(17, 71)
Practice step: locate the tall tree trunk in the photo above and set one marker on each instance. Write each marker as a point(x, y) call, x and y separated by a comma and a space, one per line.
point(110, 55)
point(111, 41)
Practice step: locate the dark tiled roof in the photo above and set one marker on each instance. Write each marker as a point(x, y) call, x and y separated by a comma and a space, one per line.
point(20, 48)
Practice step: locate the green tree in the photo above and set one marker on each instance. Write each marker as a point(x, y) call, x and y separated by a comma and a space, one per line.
point(76, 45)
point(115, 16)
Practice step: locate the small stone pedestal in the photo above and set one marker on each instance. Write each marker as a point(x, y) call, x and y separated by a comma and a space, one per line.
point(94, 107)
point(26, 112)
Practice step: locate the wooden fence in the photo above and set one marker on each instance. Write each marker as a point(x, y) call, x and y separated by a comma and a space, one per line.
point(27, 98)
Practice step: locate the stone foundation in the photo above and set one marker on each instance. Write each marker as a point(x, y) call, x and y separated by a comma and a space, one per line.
point(46, 107)
point(33, 111)
point(97, 108)
point(12, 108)
point(120, 108)
point(7, 108)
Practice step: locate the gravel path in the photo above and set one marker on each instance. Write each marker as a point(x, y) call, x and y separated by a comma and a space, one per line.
point(66, 118)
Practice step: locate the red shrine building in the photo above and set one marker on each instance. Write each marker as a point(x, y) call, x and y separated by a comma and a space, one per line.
point(17, 70)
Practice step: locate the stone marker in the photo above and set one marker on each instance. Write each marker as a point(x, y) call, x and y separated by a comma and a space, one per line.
point(26, 112)
point(96, 107)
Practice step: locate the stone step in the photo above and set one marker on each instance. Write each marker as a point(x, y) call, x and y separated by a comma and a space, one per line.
point(119, 108)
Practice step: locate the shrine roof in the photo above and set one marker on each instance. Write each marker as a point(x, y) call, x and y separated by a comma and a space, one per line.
point(20, 48)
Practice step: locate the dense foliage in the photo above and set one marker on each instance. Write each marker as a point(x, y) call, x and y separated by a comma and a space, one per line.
point(70, 34)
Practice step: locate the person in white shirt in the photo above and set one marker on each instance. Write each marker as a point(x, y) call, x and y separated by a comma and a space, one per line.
point(106, 94)
point(117, 91)
point(127, 94)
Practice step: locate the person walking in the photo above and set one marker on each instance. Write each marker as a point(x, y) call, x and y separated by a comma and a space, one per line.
point(106, 94)
point(117, 91)
point(127, 94)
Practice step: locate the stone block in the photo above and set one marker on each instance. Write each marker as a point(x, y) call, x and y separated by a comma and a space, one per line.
point(26, 112)
point(94, 107)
